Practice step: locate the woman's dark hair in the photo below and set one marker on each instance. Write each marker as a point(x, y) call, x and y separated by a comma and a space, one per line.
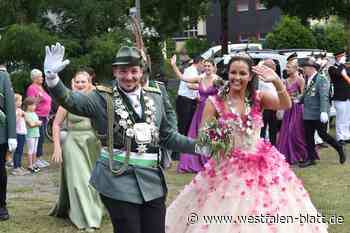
point(252, 84)
point(211, 61)
point(27, 102)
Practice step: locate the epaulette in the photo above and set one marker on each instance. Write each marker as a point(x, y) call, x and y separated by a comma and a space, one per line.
point(152, 89)
point(106, 89)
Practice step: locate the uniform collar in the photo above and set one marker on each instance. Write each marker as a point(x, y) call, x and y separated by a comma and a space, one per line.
point(136, 93)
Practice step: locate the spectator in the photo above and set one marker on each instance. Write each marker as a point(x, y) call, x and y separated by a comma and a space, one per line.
point(43, 107)
point(21, 131)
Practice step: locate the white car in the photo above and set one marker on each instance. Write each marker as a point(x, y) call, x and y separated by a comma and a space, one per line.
point(257, 56)
point(215, 51)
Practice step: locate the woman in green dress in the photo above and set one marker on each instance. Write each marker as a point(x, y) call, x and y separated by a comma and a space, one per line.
point(78, 153)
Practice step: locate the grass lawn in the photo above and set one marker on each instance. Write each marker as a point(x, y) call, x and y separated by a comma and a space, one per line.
point(31, 197)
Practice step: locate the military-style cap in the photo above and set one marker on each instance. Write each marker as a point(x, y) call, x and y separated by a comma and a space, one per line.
point(310, 62)
point(292, 57)
point(128, 56)
point(340, 52)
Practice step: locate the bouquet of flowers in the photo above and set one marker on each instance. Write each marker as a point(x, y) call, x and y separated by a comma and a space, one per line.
point(216, 135)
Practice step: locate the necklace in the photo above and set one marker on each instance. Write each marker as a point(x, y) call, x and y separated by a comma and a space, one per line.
point(245, 125)
point(143, 133)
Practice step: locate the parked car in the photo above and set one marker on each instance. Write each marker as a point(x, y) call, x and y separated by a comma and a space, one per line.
point(257, 56)
point(215, 51)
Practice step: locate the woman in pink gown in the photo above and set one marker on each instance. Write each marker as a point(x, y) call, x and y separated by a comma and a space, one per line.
point(252, 182)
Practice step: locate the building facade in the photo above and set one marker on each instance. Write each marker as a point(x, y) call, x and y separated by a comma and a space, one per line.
point(248, 20)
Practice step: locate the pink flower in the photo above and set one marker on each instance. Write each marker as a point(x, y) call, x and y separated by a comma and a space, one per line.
point(249, 182)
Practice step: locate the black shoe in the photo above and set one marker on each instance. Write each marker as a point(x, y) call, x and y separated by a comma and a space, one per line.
point(342, 155)
point(307, 163)
point(4, 214)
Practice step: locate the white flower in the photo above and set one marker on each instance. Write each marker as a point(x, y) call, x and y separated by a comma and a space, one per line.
point(119, 111)
point(124, 115)
point(129, 122)
point(148, 112)
point(148, 120)
point(118, 102)
point(141, 148)
point(149, 103)
point(249, 123)
point(249, 131)
point(130, 132)
point(122, 123)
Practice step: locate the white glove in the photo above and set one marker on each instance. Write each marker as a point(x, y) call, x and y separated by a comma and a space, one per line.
point(203, 150)
point(54, 63)
point(12, 144)
point(324, 117)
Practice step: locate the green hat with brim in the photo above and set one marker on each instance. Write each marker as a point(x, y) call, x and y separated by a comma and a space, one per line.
point(129, 56)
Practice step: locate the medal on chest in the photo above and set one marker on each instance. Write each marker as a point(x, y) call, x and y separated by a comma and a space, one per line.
point(144, 133)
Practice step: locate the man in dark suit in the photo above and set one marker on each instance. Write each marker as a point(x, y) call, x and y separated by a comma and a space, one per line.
point(316, 108)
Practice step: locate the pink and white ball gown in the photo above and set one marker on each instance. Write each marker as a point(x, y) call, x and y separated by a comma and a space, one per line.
point(252, 183)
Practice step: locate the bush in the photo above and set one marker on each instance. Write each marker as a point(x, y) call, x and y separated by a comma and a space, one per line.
point(290, 33)
point(196, 46)
point(20, 80)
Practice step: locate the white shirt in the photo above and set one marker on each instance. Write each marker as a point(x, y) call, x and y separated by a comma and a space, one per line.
point(268, 87)
point(309, 79)
point(184, 90)
point(134, 98)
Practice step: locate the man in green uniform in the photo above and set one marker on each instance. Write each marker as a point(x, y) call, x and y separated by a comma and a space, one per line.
point(132, 125)
point(8, 139)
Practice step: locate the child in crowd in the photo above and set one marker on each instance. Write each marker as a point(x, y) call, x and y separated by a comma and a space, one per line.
point(33, 134)
point(21, 131)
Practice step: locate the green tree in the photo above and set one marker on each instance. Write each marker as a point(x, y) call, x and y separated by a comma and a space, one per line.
point(196, 46)
point(330, 36)
point(91, 30)
point(301, 8)
point(316, 9)
point(290, 33)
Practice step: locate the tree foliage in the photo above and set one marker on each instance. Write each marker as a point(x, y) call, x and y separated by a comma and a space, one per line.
point(301, 8)
point(316, 9)
point(91, 30)
point(196, 46)
point(330, 36)
point(290, 33)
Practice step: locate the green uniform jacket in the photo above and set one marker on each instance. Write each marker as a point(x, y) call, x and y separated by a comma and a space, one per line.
point(316, 98)
point(7, 105)
point(137, 184)
point(170, 113)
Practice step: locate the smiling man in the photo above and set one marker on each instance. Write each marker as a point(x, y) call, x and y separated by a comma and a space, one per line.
point(132, 125)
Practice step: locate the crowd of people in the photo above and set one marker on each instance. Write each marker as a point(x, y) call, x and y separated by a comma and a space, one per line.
point(113, 142)
point(289, 130)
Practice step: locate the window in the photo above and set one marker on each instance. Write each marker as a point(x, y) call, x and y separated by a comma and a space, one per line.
point(191, 32)
point(262, 36)
point(242, 5)
point(244, 38)
point(259, 5)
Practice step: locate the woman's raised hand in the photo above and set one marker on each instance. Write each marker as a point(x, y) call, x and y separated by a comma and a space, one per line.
point(265, 73)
